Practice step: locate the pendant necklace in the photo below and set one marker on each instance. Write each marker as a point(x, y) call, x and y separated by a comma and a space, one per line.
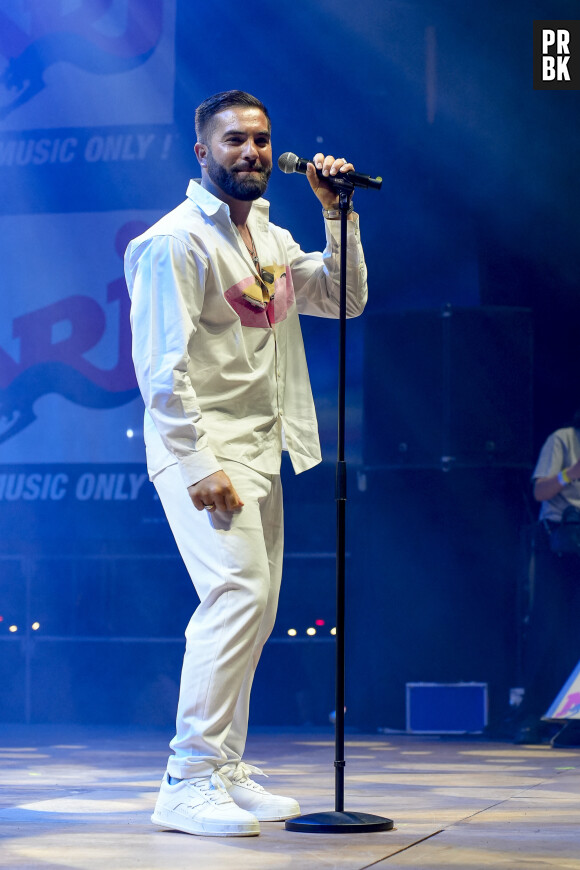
point(253, 253)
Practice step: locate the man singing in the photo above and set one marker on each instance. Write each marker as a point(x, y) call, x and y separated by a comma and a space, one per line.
point(216, 291)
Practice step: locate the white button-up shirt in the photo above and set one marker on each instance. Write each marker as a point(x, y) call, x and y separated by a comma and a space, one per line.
point(222, 374)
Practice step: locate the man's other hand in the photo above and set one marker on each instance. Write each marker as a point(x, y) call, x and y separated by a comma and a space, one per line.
point(215, 492)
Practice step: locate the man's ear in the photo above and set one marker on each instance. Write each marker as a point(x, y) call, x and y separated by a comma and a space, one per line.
point(201, 153)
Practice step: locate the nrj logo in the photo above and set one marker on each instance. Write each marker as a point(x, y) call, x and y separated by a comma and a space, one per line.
point(50, 365)
point(86, 36)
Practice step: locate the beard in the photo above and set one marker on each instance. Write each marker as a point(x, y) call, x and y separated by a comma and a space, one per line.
point(246, 188)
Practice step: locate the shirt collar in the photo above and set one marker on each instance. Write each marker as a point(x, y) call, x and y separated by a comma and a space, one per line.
point(211, 205)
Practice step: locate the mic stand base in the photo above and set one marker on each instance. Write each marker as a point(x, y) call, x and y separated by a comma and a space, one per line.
point(339, 823)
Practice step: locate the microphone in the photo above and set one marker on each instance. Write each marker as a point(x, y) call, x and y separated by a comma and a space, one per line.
point(289, 162)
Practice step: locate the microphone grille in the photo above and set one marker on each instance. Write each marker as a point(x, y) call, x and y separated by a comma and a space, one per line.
point(288, 162)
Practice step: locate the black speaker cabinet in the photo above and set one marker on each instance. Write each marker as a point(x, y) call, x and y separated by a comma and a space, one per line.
point(446, 388)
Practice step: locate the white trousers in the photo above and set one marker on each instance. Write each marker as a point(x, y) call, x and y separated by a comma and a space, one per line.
point(235, 562)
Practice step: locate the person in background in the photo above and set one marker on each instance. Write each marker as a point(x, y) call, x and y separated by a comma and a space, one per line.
point(553, 634)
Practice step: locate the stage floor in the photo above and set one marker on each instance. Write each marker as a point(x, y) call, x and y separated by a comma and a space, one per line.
point(73, 797)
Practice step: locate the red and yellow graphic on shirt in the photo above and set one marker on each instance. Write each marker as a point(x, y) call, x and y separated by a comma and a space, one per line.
point(261, 304)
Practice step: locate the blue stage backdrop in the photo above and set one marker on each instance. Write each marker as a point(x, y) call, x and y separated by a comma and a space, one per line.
point(96, 136)
point(478, 207)
point(86, 109)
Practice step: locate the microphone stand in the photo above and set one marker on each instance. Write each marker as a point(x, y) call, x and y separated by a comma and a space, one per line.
point(339, 821)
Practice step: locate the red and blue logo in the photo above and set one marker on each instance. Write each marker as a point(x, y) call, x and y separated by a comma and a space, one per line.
point(101, 37)
point(50, 364)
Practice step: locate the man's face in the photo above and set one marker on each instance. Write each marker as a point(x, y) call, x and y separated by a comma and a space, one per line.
point(238, 155)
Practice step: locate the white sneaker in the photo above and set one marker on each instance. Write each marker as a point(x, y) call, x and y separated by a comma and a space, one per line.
point(249, 795)
point(202, 806)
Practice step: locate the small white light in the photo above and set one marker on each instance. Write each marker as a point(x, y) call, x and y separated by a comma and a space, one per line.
point(311, 631)
point(292, 632)
point(130, 433)
point(13, 628)
point(333, 630)
point(35, 626)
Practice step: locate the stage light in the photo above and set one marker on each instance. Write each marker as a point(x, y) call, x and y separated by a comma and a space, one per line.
point(333, 630)
point(311, 631)
point(292, 632)
point(35, 626)
point(319, 622)
point(130, 433)
point(13, 628)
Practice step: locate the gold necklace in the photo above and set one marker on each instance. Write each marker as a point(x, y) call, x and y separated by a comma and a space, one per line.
point(252, 252)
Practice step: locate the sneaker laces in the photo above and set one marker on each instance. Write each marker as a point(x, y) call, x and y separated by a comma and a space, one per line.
point(213, 788)
point(242, 776)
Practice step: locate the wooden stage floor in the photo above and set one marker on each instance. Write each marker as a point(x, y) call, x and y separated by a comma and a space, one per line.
point(73, 797)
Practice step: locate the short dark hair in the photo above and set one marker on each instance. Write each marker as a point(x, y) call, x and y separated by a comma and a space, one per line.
point(206, 111)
